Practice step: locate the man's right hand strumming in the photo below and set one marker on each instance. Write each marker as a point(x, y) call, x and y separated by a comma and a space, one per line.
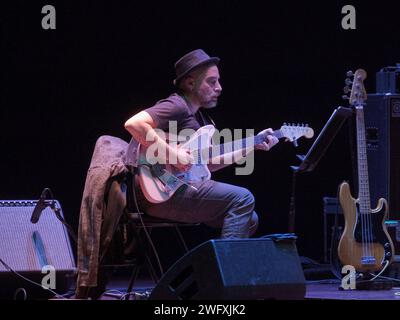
point(183, 160)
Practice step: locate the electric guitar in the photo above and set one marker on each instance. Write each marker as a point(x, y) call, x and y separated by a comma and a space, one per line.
point(365, 242)
point(159, 182)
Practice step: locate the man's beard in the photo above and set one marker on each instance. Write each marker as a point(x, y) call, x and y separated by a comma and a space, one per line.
point(209, 104)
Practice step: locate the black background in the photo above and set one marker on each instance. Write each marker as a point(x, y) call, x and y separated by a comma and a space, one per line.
point(280, 62)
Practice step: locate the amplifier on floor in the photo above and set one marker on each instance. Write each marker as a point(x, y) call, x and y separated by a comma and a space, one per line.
point(32, 249)
point(235, 269)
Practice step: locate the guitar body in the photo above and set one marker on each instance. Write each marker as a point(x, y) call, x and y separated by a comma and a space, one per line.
point(159, 182)
point(365, 256)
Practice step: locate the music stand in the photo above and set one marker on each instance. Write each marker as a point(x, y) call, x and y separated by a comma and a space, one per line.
point(317, 151)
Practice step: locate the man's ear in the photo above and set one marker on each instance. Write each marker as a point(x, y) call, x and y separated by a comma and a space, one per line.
point(190, 83)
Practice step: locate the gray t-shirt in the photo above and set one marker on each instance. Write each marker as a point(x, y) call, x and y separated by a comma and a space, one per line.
point(174, 108)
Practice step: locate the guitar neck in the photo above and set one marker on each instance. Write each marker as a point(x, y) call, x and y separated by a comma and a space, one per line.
point(241, 144)
point(363, 183)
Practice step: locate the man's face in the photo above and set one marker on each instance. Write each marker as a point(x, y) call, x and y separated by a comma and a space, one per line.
point(207, 87)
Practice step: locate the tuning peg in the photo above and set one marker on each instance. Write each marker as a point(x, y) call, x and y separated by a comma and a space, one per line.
point(346, 89)
point(348, 82)
point(344, 97)
point(295, 143)
point(359, 77)
point(306, 125)
point(349, 73)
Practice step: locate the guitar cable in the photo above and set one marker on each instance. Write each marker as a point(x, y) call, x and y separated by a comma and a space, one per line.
point(133, 184)
point(7, 267)
point(383, 269)
point(389, 278)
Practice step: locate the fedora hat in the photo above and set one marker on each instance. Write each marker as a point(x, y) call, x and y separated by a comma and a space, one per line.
point(191, 61)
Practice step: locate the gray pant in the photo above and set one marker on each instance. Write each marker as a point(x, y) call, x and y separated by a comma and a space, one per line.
point(215, 204)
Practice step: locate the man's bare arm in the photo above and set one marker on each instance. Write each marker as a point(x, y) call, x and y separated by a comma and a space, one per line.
point(141, 127)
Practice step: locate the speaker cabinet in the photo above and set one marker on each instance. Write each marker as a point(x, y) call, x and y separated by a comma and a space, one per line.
point(382, 123)
point(235, 269)
point(26, 248)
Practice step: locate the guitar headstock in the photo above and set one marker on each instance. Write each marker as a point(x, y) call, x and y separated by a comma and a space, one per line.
point(293, 132)
point(358, 95)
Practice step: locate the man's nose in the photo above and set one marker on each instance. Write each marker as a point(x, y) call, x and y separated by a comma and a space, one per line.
point(218, 87)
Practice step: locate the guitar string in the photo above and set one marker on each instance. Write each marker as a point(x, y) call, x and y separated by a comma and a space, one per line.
point(369, 215)
point(221, 149)
point(230, 146)
point(360, 182)
point(366, 204)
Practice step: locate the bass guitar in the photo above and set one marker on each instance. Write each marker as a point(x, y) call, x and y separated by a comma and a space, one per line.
point(365, 242)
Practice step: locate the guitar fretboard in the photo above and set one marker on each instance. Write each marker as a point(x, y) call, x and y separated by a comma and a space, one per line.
point(240, 144)
point(229, 147)
point(363, 183)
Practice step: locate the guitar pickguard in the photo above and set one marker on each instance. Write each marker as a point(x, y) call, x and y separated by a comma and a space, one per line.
point(366, 251)
point(160, 181)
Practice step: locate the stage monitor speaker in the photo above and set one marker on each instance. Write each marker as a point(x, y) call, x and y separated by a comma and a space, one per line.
point(235, 269)
point(26, 248)
point(382, 123)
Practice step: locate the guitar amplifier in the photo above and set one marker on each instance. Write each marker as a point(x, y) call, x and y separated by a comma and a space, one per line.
point(393, 227)
point(27, 248)
point(388, 80)
point(382, 124)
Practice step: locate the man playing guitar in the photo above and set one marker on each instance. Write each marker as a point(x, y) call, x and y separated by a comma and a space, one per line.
point(213, 203)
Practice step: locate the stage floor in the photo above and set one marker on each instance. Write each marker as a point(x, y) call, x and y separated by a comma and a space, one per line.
point(331, 292)
point(315, 290)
